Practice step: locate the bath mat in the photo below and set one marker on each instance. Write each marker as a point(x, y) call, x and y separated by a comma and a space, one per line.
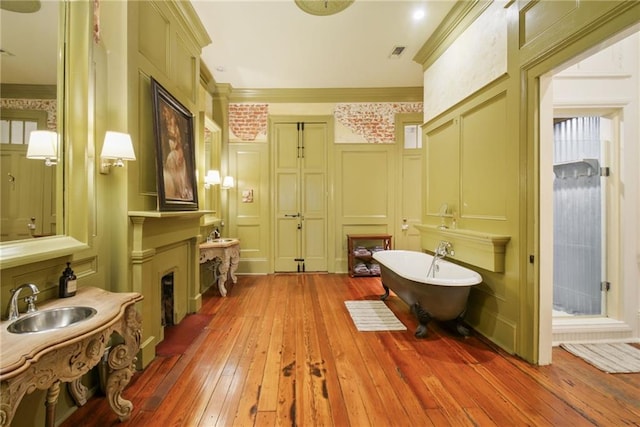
point(615, 358)
point(373, 316)
point(179, 337)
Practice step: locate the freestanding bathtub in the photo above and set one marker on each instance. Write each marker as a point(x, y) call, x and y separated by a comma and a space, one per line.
point(443, 297)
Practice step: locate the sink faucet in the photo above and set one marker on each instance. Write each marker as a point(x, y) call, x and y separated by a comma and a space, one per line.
point(215, 234)
point(444, 248)
point(12, 311)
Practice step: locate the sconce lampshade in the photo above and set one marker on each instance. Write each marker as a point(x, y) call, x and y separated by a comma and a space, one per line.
point(212, 178)
point(117, 145)
point(43, 145)
point(228, 182)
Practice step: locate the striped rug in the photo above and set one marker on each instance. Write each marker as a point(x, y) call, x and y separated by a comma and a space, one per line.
point(615, 358)
point(370, 315)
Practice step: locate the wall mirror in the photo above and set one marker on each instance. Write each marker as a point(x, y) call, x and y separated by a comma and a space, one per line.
point(212, 138)
point(70, 26)
point(30, 79)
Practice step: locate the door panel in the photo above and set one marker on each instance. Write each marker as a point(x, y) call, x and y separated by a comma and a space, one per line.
point(314, 146)
point(286, 141)
point(287, 244)
point(409, 142)
point(300, 211)
point(287, 193)
point(23, 194)
point(287, 200)
point(314, 241)
point(411, 188)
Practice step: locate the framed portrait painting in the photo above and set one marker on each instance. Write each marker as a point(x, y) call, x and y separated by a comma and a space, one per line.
point(175, 152)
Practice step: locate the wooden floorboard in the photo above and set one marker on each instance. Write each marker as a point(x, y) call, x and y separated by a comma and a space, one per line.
point(281, 350)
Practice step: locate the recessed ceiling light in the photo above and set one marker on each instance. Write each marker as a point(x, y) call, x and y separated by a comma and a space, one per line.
point(418, 15)
point(220, 68)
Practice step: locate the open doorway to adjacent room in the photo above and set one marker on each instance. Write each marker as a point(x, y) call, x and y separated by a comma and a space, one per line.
point(589, 190)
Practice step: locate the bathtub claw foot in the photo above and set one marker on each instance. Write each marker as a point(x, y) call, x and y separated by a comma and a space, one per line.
point(458, 325)
point(384, 296)
point(423, 319)
point(421, 331)
point(462, 329)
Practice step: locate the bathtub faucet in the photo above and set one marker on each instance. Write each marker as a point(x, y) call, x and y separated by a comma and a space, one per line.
point(444, 248)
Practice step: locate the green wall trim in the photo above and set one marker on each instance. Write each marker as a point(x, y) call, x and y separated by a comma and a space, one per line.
point(399, 94)
point(459, 18)
point(28, 91)
point(501, 330)
point(480, 249)
point(189, 19)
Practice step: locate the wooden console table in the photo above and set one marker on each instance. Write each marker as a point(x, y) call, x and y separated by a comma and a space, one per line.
point(43, 360)
point(228, 251)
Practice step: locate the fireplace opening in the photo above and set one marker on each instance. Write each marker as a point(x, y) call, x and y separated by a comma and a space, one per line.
point(167, 300)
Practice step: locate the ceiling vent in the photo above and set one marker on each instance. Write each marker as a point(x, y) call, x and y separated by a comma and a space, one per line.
point(396, 52)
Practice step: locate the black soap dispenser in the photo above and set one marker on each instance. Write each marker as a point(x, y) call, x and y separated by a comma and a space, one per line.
point(68, 283)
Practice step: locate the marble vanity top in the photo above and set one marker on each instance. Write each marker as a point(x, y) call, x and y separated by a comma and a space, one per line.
point(219, 243)
point(19, 351)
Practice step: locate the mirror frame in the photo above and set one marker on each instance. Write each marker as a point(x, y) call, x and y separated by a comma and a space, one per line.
point(211, 199)
point(74, 53)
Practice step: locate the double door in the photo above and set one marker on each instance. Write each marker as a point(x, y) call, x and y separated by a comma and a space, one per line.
point(300, 199)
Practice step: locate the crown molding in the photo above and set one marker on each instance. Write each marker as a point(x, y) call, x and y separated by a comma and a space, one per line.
point(222, 91)
point(206, 78)
point(191, 21)
point(457, 20)
point(390, 94)
point(21, 91)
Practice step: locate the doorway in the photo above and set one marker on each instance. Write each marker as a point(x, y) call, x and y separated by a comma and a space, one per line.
point(409, 143)
point(300, 194)
point(581, 148)
point(598, 91)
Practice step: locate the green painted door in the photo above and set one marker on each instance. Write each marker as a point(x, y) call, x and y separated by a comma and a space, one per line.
point(300, 197)
point(409, 135)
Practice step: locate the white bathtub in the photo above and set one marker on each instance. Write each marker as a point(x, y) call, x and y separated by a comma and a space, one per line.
point(414, 266)
point(443, 297)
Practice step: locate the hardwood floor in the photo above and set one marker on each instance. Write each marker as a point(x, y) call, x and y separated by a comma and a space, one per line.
point(282, 350)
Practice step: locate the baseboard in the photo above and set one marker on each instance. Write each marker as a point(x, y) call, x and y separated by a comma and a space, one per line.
point(253, 266)
point(147, 353)
point(195, 303)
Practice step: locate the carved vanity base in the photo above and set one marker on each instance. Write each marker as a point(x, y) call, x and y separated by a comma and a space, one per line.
point(229, 255)
point(69, 358)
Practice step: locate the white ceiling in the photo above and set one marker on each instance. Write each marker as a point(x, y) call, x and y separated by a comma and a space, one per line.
point(261, 44)
point(29, 62)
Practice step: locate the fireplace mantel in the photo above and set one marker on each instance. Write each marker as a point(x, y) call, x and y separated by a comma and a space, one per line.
point(168, 214)
point(162, 243)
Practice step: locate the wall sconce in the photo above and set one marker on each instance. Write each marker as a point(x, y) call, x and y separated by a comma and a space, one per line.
point(227, 183)
point(117, 147)
point(212, 178)
point(43, 145)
